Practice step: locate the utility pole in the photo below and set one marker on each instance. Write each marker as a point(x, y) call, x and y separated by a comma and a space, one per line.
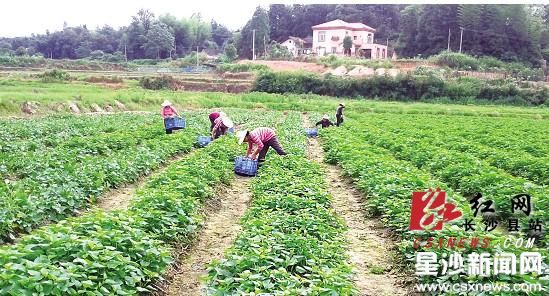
point(197, 57)
point(460, 39)
point(264, 47)
point(125, 52)
point(253, 44)
point(448, 39)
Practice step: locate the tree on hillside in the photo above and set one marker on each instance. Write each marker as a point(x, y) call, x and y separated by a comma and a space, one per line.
point(5, 48)
point(21, 51)
point(84, 49)
point(180, 31)
point(406, 44)
point(198, 31)
point(347, 45)
point(137, 33)
point(279, 19)
point(306, 16)
point(220, 33)
point(259, 23)
point(106, 39)
point(230, 52)
point(159, 40)
point(432, 31)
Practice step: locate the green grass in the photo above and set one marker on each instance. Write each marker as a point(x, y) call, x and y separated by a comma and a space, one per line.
point(15, 91)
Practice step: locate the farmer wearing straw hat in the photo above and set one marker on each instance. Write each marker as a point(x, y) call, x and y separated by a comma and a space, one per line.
point(213, 116)
point(339, 114)
point(221, 125)
point(262, 138)
point(168, 111)
point(325, 121)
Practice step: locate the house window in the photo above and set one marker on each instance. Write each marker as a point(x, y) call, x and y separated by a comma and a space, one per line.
point(321, 36)
point(377, 54)
point(369, 38)
point(354, 37)
point(334, 50)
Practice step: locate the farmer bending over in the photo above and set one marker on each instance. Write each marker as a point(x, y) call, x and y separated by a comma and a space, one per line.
point(213, 116)
point(262, 138)
point(325, 122)
point(339, 114)
point(221, 125)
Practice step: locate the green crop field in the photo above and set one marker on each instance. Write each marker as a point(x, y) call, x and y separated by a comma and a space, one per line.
point(175, 224)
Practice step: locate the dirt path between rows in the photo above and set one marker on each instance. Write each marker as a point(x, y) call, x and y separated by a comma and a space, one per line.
point(368, 241)
point(219, 232)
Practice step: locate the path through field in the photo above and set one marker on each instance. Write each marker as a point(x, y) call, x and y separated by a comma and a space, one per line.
point(219, 232)
point(368, 241)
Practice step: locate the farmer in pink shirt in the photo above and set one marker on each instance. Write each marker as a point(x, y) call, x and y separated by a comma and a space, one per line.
point(262, 138)
point(168, 111)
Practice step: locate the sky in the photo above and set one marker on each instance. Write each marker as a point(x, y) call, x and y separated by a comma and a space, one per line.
point(24, 17)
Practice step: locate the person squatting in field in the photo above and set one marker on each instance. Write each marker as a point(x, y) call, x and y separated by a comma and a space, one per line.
point(213, 116)
point(339, 114)
point(221, 125)
point(325, 122)
point(168, 111)
point(262, 138)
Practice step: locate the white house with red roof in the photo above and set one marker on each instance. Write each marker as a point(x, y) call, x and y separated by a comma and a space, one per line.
point(328, 39)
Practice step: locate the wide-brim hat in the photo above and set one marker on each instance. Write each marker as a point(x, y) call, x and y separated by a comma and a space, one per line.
point(241, 135)
point(325, 116)
point(166, 103)
point(342, 105)
point(227, 122)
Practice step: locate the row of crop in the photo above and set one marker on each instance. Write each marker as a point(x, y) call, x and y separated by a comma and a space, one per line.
point(516, 135)
point(388, 184)
point(123, 251)
point(17, 135)
point(461, 171)
point(438, 132)
point(22, 164)
point(292, 242)
point(49, 187)
point(521, 165)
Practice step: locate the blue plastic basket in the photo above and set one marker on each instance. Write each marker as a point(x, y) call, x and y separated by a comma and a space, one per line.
point(174, 123)
point(230, 131)
point(311, 132)
point(245, 166)
point(203, 141)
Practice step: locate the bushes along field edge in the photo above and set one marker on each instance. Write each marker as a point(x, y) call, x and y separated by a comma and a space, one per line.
point(401, 88)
